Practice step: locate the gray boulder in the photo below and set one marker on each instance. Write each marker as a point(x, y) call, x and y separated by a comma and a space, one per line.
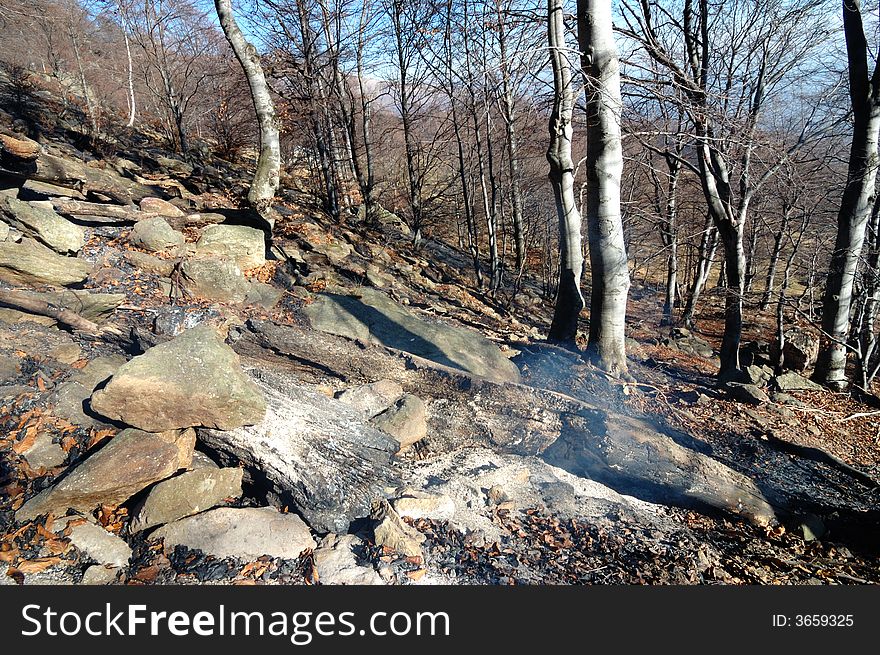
point(100, 545)
point(214, 278)
point(130, 462)
point(156, 235)
point(245, 245)
point(800, 350)
point(43, 224)
point(791, 381)
point(30, 262)
point(195, 379)
point(747, 393)
point(372, 316)
point(246, 533)
point(186, 494)
point(406, 420)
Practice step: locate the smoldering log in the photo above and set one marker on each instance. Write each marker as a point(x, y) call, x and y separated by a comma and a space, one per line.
point(636, 456)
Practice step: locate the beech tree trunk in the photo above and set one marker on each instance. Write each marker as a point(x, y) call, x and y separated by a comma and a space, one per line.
point(608, 260)
point(705, 259)
point(858, 198)
point(267, 175)
point(569, 300)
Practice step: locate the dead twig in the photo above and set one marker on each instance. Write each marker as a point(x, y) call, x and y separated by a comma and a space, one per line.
point(18, 300)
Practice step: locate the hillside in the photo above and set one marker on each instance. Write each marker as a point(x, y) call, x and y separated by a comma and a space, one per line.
point(188, 397)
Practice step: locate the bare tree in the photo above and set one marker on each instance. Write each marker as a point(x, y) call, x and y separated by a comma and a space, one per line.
point(569, 300)
point(267, 174)
point(604, 164)
point(858, 198)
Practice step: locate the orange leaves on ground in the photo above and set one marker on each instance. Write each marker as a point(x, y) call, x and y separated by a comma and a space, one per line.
point(99, 436)
point(112, 518)
point(26, 442)
point(38, 565)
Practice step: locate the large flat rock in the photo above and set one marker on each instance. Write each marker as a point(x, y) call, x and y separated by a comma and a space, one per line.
point(372, 316)
point(193, 380)
point(30, 262)
point(131, 461)
point(43, 224)
point(246, 533)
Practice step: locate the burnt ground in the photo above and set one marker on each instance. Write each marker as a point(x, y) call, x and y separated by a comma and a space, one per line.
point(537, 546)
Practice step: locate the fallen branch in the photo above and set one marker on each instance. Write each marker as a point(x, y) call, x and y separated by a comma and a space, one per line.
point(857, 415)
point(821, 456)
point(18, 300)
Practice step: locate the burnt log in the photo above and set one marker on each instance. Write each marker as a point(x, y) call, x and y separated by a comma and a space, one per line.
point(633, 455)
point(311, 453)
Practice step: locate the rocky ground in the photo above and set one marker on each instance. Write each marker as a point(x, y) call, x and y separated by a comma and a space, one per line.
point(184, 400)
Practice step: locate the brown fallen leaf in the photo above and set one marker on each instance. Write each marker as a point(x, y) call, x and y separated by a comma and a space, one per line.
point(38, 565)
point(27, 442)
point(416, 575)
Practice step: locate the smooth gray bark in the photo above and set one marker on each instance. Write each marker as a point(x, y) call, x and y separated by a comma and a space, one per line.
point(608, 261)
point(569, 300)
point(267, 176)
point(855, 206)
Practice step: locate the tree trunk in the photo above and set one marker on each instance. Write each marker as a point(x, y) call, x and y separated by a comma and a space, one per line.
point(513, 165)
point(705, 259)
point(569, 301)
point(608, 260)
point(774, 258)
point(855, 206)
point(131, 103)
point(266, 177)
point(751, 258)
point(415, 195)
point(669, 239)
point(871, 281)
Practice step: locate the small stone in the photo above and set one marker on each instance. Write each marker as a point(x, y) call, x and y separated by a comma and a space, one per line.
point(373, 398)
point(406, 420)
point(98, 574)
point(263, 295)
point(162, 207)
point(337, 565)
point(100, 545)
point(747, 393)
point(246, 533)
point(149, 263)
point(45, 453)
point(70, 400)
point(9, 368)
point(185, 495)
point(390, 531)
point(156, 235)
point(497, 495)
point(811, 527)
point(417, 504)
